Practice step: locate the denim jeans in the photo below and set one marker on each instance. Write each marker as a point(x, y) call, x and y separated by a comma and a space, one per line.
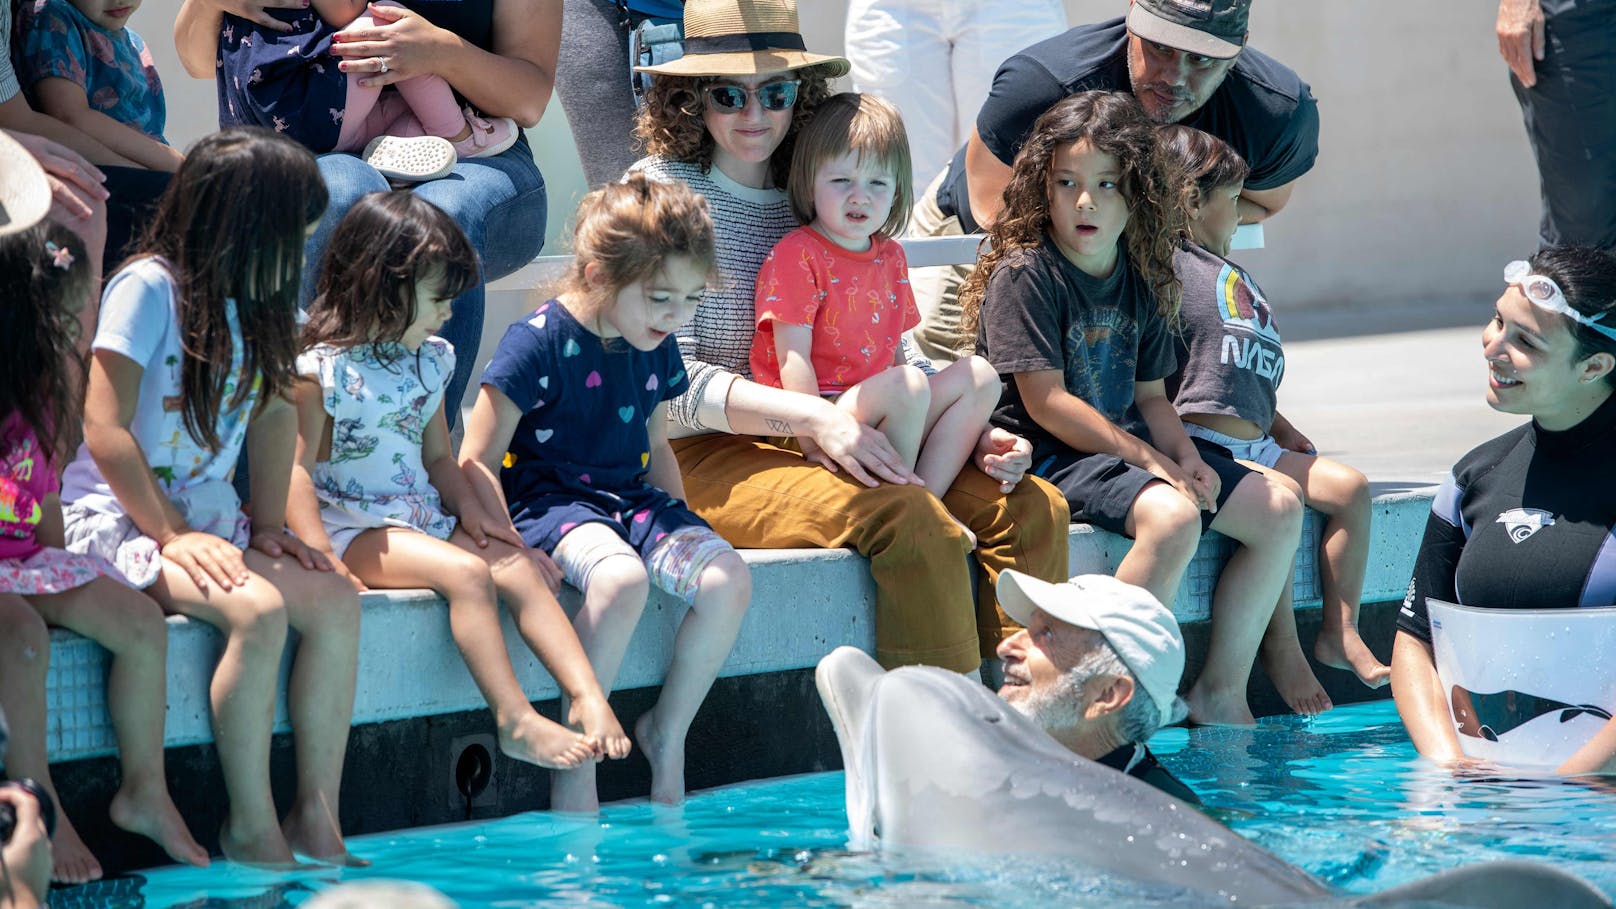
point(500, 202)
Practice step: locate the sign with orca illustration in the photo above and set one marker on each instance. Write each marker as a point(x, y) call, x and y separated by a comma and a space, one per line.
point(1526, 687)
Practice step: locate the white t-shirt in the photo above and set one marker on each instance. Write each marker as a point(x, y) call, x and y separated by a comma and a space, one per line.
point(140, 320)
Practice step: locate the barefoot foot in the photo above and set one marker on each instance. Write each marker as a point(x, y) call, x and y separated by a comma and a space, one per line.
point(537, 740)
point(667, 758)
point(259, 848)
point(311, 829)
point(71, 860)
point(1210, 708)
point(1344, 649)
point(1287, 668)
point(573, 791)
point(595, 717)
point(149, 811)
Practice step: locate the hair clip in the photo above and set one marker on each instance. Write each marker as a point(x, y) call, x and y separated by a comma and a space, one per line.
point(61, 256)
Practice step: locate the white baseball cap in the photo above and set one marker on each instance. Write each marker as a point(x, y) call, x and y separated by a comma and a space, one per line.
point(1138, 627)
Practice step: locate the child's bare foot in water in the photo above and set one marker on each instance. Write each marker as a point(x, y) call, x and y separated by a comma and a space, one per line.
point(149, 811)
point(667, 759)
point(1209, 708)
point(1287, 668)
point(595, 717)
point(71, 860)
point(311, 829)
point(1344, 649)
point(265, 848)
point(537, 740)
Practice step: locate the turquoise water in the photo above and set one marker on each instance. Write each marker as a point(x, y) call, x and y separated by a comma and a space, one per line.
point(1343, 796)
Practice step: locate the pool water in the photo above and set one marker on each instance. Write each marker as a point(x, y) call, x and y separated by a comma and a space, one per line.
point(1343, 796)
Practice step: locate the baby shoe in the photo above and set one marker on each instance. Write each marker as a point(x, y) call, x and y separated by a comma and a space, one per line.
point(488, 137)
point(411, 160)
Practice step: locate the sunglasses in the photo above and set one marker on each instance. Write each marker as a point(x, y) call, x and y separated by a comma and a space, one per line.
point(731, 99)
point(1546, 294)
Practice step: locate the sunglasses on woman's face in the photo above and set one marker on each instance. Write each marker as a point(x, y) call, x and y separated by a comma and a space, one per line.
point(731, 99)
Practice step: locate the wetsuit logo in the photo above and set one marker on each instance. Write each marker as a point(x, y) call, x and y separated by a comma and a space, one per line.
point(1523, 522)
point(1488, 716)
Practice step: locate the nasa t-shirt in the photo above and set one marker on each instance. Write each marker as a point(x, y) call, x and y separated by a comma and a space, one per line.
point(1523, 522)
point(1229, 355)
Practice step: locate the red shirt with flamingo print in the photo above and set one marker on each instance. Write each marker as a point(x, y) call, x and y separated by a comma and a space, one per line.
point(858, 304)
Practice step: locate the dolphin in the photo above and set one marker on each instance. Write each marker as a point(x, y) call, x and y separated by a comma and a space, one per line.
point(1496, 713)
point(936, 761)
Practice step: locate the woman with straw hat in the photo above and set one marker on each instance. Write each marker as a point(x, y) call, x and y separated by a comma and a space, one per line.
point(724, 118)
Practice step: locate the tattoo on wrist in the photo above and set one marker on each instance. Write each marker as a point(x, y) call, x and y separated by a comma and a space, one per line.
point(779, 426)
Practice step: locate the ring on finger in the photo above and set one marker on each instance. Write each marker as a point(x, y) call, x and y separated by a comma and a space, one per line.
point(382, 64)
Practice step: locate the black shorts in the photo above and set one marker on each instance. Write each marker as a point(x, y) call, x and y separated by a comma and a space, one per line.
point(1101, 488)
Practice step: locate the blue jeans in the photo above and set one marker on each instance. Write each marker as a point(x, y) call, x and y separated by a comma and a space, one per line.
point(500, 202)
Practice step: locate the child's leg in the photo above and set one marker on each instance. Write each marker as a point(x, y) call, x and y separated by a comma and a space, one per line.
point(24, 659)
point(544, 626)
point(252, 618)
point(398, 557)
point(1166, 528)
point(615, 587)
point(130, 625)
point(1342, 494)
point(1266, 519)
point(703, 642)
point(963, 396)
point(1281, 650)
point(324, 608)
point(894, 401)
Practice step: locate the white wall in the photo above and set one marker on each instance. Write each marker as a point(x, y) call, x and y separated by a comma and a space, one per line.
point(1424, 185)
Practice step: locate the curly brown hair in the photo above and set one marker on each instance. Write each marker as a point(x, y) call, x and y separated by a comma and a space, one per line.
point(670, 124)
point(1114, 123)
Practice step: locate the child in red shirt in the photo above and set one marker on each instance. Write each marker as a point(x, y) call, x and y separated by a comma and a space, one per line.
point(833, 297)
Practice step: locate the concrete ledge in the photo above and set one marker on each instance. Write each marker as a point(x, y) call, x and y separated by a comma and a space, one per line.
point(806, 602)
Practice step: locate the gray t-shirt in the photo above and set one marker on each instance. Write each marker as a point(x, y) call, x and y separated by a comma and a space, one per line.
point(1042, 312)
point(1229, 355)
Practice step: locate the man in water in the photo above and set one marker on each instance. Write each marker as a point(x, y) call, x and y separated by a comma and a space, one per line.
point(1097, 667)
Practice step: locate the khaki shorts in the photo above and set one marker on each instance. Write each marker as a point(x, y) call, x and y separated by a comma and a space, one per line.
point(937, 288)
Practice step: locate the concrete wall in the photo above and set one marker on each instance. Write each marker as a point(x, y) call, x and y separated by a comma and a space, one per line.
point(1424, 187)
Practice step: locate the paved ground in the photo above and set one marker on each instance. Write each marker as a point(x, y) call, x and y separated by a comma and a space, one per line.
point(1394, 393)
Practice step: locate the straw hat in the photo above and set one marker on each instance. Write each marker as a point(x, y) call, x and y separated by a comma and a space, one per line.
point(25, 194)
point(743, 38)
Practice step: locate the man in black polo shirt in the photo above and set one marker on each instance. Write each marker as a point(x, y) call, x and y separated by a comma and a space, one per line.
point(1185, 60)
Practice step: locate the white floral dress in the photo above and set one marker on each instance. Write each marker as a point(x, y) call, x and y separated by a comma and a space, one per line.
point(380, 398)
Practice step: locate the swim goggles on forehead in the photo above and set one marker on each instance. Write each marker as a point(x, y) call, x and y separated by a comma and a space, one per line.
point(731, 99)
point(1545, 294)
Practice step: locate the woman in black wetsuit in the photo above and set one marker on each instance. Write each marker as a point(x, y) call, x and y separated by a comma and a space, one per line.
point(1526, 520)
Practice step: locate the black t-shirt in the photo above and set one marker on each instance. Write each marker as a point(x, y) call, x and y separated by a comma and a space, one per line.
point(1228, 348)
point(1137, 761)
point(1262, 109)
point(1104, 334)
point(1524, 521)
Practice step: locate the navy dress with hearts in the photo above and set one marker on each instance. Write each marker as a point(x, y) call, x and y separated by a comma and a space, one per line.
point(580, 452)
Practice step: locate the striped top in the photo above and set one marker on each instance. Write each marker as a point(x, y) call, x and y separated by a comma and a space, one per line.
point(717, 344)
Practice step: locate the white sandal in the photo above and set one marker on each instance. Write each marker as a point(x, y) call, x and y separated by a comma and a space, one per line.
point(411, 160)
